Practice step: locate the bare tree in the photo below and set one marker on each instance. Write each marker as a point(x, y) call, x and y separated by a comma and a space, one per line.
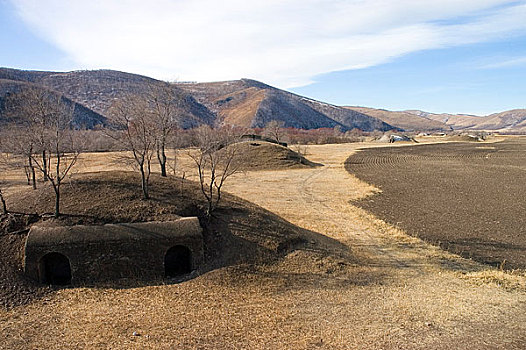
point(216, 159)
point(165, 110)
point(37, 109)
point(8, 160)
point(3, 210)
point(63, 152)
point(301, 150)
point(3, 207)
point(275, 129)
point(136, 132)
point(4, 163)
point(45, 136)
point(18, 140)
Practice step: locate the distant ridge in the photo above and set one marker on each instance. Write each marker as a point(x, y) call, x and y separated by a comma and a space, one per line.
point(513, 121)
point(404, 119)
point(244, 102)
point(508, 121)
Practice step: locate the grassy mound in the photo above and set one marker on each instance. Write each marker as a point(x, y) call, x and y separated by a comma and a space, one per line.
point(261, 155)
point(239, 232)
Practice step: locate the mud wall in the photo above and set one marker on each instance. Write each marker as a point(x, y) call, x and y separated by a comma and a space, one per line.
point(109, 252)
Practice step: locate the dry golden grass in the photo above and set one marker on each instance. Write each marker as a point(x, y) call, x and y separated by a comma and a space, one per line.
point(244, 106)
point(389, 291)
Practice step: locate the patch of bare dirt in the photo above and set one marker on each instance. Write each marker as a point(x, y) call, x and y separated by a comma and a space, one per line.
point(468, 198)
point(15, 289)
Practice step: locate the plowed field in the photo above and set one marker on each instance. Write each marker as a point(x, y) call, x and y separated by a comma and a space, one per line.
point(469, 198)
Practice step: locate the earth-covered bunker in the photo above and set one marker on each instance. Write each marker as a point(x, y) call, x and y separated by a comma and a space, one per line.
point(86, 254)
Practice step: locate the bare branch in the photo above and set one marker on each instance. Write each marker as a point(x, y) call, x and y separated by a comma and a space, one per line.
point(43, 134)
point(135, 130)
point(216, 159)
point(275, 130)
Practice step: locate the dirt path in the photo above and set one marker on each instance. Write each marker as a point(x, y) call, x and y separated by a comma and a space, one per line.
point(318, 199)
point(437, 283)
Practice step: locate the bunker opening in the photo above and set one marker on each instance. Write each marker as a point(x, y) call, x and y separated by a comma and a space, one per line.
point(55, 269)
point(177, 261)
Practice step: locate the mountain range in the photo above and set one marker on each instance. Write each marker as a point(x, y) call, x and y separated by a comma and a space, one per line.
point(243, 102)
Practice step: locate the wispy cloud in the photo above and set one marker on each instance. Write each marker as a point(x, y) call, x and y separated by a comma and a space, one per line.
point(286, 43)
point(505, 63)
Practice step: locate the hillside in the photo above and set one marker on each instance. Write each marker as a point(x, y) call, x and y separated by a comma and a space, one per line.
point(249, 236)
point(261, 155)
point(513, 121)
point(250, 103)
point(245, 102)
point(83, 117)
point(97, 90)
point(507, 121)
point(404, 120)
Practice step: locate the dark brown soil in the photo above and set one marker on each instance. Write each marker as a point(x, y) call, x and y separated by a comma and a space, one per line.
point(238, 233)
point(15, 289)
point(468, 198)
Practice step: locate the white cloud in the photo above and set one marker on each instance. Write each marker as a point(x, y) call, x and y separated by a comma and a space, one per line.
point(505, 63)
point(285, 43)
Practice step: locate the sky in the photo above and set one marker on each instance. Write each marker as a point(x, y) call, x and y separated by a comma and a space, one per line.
point(442, 56)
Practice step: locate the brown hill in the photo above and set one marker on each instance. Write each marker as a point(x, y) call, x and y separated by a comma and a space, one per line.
point(97, 90)
point(83, 117)
point(508, 121)
point(513, 121)
point(243, 102)
point(455, 121)
point(251, 103)
point(248, 103)
point(404, 120)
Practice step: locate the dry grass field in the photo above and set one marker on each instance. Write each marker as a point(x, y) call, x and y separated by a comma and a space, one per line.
point(368, 285)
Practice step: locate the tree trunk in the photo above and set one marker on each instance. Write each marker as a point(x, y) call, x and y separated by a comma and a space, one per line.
point(4, 205)
point(161, 156)
point(57, 201)
point(45, 166)
point(33, 175)
point(28, 175)
point(144, 184)
point(210, 197)
point(56, 184)
point(209, 211)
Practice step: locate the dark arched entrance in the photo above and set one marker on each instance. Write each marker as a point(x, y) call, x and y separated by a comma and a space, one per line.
point(177, 261)
point(55, 269)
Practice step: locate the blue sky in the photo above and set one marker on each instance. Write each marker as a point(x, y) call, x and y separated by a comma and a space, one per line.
point(474, 79)
point(23, 48)
point(436, 55)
